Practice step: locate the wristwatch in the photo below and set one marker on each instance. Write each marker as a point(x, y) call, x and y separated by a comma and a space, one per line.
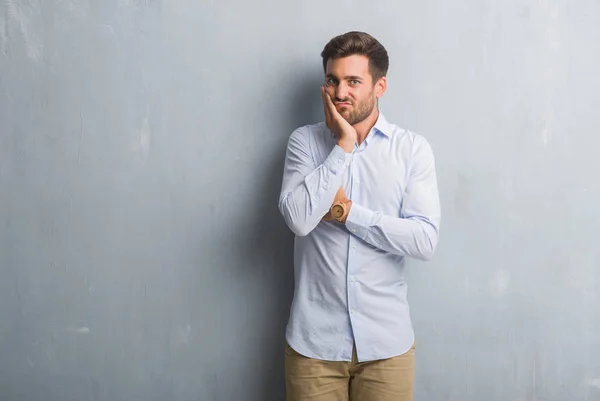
point(339, 210)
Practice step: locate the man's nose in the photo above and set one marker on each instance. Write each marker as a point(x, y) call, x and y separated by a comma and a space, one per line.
point(341, 91)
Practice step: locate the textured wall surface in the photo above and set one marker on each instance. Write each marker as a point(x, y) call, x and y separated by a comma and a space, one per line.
point(142, 256)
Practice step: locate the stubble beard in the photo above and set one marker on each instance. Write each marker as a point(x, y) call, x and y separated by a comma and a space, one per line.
point(363, 111)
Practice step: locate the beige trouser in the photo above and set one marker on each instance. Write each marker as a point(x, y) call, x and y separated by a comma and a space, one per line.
point(309, 379)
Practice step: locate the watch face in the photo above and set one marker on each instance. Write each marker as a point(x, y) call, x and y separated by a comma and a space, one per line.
point(337, 211)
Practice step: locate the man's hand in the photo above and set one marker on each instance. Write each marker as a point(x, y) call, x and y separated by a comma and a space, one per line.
point(340, 196)
point(343, 131)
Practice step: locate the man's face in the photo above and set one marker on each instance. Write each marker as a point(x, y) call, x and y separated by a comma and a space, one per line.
point(349, 83)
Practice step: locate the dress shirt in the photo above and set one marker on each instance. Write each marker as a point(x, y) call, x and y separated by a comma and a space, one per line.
point(350, 288)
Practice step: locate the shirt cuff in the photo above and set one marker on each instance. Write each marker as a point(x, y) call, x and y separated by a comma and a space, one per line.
point(359, 220)
point(337, 160)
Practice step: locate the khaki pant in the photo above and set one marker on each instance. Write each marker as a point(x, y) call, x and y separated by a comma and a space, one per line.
point(309, 379)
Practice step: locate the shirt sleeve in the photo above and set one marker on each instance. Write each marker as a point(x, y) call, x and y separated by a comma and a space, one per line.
point(308, 190)
point(415, 232)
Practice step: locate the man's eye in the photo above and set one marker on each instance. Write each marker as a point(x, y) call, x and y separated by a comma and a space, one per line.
point(331, 81)
point(355, 82)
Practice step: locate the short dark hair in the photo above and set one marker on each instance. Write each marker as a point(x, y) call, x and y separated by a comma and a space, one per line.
point(358, 43)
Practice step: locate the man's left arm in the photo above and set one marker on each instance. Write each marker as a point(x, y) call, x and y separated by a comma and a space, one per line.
point(415, 232)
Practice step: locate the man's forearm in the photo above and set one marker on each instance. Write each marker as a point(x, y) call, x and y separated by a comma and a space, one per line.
point(416, 237)
point(306, 199)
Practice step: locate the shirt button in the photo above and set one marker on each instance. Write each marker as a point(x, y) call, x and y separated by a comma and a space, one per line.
point(352, 311)
point(353, 279)
point(354, 230)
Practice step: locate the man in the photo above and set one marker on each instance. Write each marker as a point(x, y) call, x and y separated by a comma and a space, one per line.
point(360, 194)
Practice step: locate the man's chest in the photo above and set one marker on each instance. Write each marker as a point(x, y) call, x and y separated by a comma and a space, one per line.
point(376, 178)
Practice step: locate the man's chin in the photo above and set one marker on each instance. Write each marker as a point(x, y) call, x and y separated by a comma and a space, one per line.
point(351, 119)
point(347, 116)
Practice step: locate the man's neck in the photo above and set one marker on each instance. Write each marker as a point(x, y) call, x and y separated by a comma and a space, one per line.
point(364, 127)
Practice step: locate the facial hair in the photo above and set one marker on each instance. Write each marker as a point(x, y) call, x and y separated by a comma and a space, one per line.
point(362, 111)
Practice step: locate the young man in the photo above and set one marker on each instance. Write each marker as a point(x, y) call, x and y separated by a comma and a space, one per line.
point(360, 193)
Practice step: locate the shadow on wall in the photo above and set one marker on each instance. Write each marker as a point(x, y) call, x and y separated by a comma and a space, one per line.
point(276, 240)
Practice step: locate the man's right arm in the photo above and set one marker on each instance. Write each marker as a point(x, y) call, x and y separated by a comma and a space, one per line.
point(308, 190)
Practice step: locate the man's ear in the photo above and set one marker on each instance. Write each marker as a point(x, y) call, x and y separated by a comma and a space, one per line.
point(380, 87)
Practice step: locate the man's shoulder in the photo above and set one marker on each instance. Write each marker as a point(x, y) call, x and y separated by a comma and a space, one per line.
point(314, 128)
point(310, 132)
point(413, 144)
point(408, 142)
point(406, 134)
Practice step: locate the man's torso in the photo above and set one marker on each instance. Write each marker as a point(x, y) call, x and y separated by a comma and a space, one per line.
point(348, 291)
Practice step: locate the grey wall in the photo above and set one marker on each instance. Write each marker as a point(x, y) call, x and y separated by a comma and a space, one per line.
point(142, 256)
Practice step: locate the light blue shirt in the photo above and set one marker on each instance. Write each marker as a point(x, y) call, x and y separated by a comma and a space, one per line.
point(350, 285)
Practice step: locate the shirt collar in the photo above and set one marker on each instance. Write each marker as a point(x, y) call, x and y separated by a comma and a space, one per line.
point(381, 125)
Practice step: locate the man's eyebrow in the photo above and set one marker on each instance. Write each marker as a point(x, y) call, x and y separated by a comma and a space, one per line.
point(352, 77)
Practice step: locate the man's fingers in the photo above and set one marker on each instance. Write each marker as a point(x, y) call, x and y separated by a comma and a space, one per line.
point(328, 103)
point(324, 97)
